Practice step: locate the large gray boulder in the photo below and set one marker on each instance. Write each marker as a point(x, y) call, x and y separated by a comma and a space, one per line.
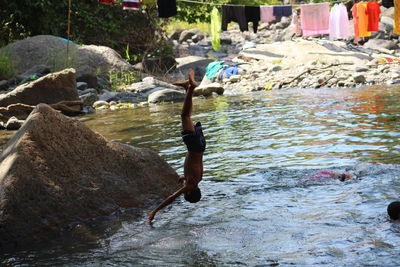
point(56, 171)
point(52, 51)
point(49, 89)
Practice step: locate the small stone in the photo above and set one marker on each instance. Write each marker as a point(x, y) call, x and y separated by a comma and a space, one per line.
point(87, 91)
point(89, 99)
point(4, 85)
point(361, 69)
point(2, 127)
point(81, 85)
point(275, 68)
point(100, 103)
point(13, 124)
point(234, 78)
point(359, 78)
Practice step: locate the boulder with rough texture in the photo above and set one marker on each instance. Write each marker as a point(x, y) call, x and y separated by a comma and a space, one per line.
point(166, 95)
point(50, 50)
point(56, 171)
point(49, 89)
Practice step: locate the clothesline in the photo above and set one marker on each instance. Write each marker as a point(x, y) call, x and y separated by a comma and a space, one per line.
point(217, 4)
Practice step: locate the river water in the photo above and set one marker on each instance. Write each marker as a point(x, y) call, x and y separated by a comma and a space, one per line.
point(259, 206)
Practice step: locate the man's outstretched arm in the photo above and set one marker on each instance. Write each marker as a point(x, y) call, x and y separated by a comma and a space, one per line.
point(169, 200)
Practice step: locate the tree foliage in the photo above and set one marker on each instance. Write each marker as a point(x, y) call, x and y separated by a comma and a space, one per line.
point(193, 13)
point(91, 23)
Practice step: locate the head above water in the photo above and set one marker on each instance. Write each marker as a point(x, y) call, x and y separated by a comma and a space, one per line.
point(394, 210)
point(193, 196)
point(344, 176)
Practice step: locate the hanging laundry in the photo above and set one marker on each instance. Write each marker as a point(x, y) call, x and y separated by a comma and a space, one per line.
point(131, 4)
point(106, 1)
point(166, 8)
point(296, 23)
point(215, 29)
point(233, 13)
point(338, 22)
point(373, 11)
point(266, 14)
point(315, 19)
point(396, 28)
point(388, 3)
point(355, 21)
point(282, 11)
point(252, 14)
point(362, 18)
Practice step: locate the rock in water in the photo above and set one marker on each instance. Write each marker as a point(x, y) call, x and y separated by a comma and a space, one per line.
point(56, 171)
point(50, 89)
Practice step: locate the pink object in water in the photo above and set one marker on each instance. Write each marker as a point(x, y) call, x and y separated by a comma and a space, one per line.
point(323, 175)
point(315, 19)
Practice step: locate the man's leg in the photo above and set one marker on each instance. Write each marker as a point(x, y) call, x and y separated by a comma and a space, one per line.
point(187, 123)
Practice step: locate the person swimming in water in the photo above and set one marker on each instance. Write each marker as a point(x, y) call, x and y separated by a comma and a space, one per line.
point(332, 174)
point(193, 137)
point(393, 210)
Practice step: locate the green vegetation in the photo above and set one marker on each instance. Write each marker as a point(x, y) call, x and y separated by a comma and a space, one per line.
point(91, 23)
point(197, 13)
point(277, 61)
point(60, 60)
point(6, 66)
point(120, 79)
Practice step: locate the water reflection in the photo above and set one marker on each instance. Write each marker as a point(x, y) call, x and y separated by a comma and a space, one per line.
point(259, 207)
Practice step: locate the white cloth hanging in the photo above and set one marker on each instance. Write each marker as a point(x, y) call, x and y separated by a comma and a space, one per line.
point(338, 22)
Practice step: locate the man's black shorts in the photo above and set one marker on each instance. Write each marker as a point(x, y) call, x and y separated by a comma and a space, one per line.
point(194, 141)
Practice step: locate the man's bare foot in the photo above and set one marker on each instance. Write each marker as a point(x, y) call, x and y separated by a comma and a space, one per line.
point(184, 84)
point(192, 82)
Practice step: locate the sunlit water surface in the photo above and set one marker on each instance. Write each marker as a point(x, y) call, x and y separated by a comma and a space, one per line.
point(259, 207)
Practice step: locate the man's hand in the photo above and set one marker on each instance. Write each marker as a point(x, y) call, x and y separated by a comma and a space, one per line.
point(151, 217)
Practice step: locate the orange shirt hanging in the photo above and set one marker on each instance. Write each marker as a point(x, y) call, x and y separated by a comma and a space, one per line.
point(396, 29)
point(362, 16)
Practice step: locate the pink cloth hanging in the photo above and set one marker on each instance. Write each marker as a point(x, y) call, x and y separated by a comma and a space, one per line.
point(315, 19)
point(266, 14)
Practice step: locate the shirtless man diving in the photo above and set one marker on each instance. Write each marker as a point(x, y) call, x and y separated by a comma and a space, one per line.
point(193, 137)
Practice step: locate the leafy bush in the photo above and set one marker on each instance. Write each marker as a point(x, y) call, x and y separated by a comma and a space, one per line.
point(6, 66)
point(91, 23)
